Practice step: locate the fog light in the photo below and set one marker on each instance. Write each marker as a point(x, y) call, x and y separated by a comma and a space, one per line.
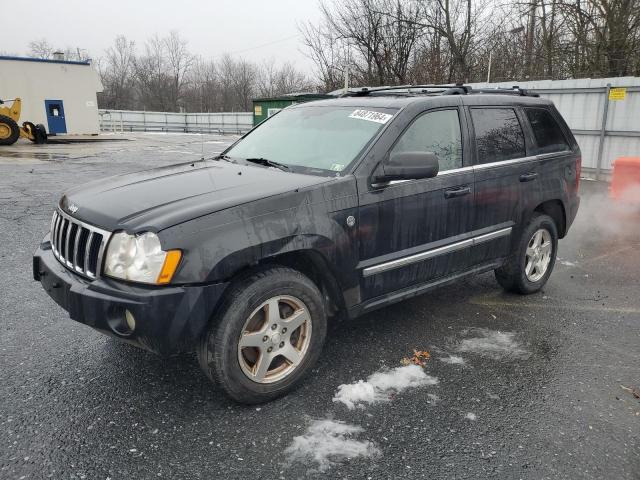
point(131, 320)
point(121, 321)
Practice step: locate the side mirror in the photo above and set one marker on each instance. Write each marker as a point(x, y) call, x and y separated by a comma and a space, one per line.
point(408, 166)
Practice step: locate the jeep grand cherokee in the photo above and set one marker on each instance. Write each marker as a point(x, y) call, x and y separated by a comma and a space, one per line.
point(330, 208)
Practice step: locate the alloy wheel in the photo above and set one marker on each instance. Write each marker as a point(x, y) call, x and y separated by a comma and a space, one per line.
point(538, 255)
point(275, 339)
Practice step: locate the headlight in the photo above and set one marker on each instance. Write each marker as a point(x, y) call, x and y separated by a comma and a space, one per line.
point(140, 258)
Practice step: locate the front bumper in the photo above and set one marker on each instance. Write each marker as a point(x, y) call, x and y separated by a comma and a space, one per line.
point(168, 319)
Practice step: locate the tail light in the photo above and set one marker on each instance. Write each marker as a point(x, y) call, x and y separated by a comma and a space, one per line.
point(578, 171)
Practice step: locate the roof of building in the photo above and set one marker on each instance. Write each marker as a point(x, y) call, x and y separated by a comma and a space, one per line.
point(45, 60)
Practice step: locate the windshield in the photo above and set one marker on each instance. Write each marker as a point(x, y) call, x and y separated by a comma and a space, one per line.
point(313, 138)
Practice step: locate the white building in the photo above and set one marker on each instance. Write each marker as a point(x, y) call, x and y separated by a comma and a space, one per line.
point(59, 94)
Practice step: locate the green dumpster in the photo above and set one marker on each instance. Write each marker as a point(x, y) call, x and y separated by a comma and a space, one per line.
point(263, 108)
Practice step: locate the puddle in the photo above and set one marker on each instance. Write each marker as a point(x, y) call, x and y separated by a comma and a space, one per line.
point(47, 157)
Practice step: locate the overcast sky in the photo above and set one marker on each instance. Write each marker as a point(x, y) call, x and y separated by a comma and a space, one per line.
point(254, 29)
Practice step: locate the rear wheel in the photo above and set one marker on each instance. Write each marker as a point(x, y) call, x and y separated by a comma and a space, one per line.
point(533, 257)
point(9, 131)
point(268, 335)
point(40, 134)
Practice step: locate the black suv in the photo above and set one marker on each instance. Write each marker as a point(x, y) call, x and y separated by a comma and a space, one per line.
point(330, 208)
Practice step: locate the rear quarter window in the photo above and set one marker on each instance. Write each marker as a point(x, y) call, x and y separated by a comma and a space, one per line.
point(547, 132)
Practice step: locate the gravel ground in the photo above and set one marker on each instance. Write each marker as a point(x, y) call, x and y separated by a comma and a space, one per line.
point(516, 387)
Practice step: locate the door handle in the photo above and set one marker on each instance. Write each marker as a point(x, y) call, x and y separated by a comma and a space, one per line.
point(528, 177)
point(457, 192)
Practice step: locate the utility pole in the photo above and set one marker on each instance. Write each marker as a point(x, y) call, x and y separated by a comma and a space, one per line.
point(489, 69)
point(346, 70)
point(530, 37)
point(346, 78)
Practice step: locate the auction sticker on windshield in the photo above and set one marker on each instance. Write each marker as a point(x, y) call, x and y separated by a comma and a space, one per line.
point(371, 116)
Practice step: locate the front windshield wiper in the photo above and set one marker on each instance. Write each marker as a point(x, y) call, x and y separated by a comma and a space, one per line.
point(269, 163)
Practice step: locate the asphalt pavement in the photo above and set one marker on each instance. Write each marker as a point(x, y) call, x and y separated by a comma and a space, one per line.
point(521, 387)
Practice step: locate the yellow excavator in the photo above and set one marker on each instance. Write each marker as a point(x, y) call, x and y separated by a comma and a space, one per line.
point(9, 129)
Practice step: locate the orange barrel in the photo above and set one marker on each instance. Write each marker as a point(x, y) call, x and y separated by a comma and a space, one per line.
point(625, 179)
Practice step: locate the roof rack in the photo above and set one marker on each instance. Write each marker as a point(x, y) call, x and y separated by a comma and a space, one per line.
point(446, 89)
point(515, 90)
point(364, 91)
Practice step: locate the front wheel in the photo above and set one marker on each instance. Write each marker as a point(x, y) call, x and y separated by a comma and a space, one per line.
point(268, 335)
point(532, 258)
point(9, 131)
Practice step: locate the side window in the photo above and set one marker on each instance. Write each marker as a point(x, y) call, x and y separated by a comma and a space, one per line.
point(548, 133)
point(436, 132)
point(499, 135)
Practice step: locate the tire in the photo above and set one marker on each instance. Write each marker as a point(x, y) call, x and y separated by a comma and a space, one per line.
point(38, 132)
point(9, 131)
point(521, 273)
point(41, 134)
point(244, 317)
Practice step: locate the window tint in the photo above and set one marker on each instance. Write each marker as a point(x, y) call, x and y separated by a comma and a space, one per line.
point(548, 134)
point(498, 134)
point(436, 132)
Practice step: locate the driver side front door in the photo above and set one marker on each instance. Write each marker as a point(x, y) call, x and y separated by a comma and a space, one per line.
point(416, 231)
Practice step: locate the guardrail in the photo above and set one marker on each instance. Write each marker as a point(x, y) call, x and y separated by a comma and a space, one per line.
point(141, 121)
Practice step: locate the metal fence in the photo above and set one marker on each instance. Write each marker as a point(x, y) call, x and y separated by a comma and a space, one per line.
point(140, 121)
point(606, 126)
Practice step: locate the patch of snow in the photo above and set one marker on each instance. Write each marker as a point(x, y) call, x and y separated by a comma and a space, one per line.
point(380, 385)
point(566, 263)
point(453, 360)
point(494, 344)
point(327, 442)
point(471, 416)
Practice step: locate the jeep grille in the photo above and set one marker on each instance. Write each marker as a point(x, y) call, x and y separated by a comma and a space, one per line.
point(77, 245)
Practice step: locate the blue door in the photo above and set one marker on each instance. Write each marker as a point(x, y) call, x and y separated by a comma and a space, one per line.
point(55, 116)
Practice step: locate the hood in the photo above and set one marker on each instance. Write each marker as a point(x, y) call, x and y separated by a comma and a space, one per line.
point(156, 199)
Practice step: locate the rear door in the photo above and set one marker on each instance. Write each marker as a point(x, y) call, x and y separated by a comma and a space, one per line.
point(415, 231)
point(558, 163)
point(506, 175)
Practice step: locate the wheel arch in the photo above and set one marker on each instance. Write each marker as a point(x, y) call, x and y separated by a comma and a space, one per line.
point(556, 210)
point(311, 263)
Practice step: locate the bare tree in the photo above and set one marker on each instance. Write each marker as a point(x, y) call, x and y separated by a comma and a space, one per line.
point(152, 81)
point(244, 84)
point(457, 22)
point(41, 49)
point(178, 62)
point(382, 42)
point(117, 71)
point(609, 31)
point(328, 55)
point(273, 80)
